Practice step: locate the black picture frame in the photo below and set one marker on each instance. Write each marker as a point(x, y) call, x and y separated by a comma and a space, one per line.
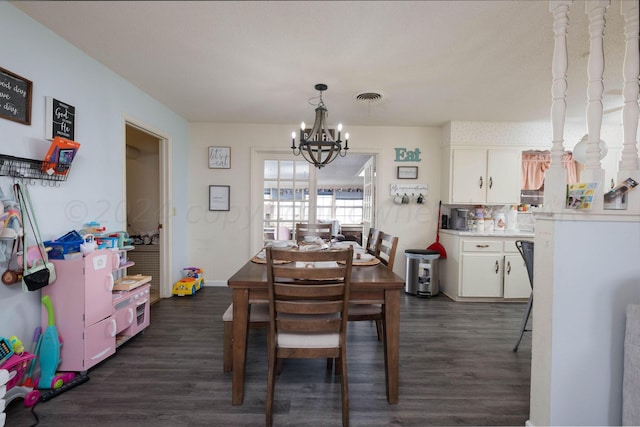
point(219, 197)
point(16, 93)
point(407, 172)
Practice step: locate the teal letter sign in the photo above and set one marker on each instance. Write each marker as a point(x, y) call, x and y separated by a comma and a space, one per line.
point(402, 155)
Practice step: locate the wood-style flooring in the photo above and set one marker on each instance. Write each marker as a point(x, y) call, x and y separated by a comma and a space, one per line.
point(457, 367)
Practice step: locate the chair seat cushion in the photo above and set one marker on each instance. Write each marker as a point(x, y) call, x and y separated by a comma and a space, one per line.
point(308, 340)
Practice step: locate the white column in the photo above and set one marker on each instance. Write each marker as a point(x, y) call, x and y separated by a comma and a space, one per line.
point(556, 176)
point(596, 9)
point(629, 165)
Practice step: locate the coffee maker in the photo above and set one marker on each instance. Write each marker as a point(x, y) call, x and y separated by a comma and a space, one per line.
point(458, 220)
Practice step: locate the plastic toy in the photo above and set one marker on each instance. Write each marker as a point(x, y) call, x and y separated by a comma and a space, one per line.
point(17, 366)
point(49, 354)
point(196, 273)
point(186, 286)
point(18, 347)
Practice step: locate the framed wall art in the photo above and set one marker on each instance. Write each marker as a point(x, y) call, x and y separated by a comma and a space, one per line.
point(407, 172)
point(219, 197)
point(15, 94)
point(219, 157)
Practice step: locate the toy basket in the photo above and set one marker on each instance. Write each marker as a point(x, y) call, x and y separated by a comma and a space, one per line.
point(66, 244)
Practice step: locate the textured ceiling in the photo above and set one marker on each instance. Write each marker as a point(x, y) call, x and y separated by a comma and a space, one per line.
point(257, 62)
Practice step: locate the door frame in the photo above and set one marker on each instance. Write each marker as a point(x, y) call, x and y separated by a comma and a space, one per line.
point(165, 161)
point(256, 229)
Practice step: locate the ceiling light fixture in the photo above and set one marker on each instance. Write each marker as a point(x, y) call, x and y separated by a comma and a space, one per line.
point(319, 146)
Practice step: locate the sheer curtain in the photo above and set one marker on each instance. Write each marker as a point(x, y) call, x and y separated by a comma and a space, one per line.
point(535, 163)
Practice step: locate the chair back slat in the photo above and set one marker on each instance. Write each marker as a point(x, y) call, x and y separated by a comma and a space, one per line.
point(525, 247)
point(297, 307)
point(309, 326)
point(301, 290)
point(323, 230)
point(372, 240)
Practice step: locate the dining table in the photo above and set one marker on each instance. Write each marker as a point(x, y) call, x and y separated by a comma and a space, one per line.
point(371, 283)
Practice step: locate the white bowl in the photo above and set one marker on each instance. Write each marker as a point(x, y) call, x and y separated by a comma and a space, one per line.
point(280, 243)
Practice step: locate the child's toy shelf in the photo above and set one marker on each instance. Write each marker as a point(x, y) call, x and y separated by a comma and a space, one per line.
point(19, 167)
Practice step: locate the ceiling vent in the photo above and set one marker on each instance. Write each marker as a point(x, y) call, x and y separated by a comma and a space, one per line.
point(369, 97)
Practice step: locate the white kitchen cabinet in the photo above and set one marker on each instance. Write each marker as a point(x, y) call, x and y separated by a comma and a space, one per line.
point(516, 278)
point(483, 268)
point(480, 276)
point(482, 176)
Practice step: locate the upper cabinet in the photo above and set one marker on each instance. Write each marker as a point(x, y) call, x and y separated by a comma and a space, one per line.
point(481, 176)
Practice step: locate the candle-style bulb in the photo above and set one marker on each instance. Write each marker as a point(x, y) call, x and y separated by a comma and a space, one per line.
point(346, 141)
point(302, 127)
point(293, 140)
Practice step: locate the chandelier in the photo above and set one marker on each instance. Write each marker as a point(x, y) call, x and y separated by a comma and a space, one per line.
point(320, 147)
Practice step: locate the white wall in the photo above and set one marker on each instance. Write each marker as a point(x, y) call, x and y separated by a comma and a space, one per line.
point(95, 188)
point(586, 273)
point(220, 241)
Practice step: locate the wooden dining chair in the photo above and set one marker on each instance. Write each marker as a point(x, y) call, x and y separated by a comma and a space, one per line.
point(385, 250)
point(322, 230)
point(258, 319)
point(308, 310)
point(372, 240)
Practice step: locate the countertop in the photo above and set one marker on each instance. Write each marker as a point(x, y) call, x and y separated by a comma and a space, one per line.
point(505, 233)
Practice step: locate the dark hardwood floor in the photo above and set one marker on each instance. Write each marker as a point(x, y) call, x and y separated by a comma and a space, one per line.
point(457, 367)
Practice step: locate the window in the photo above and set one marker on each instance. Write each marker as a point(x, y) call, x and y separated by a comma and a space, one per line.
point(343, 205)
point(286, 197)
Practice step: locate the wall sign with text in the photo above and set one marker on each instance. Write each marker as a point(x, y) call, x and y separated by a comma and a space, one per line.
point(219, 157)
point(60, 119)
point(404, 155)
point(15, 97)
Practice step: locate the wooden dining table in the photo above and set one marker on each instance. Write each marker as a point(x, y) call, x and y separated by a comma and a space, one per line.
point(373, 283)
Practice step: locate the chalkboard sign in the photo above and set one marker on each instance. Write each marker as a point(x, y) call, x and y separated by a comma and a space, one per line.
point(15, 97)
point(60, 119)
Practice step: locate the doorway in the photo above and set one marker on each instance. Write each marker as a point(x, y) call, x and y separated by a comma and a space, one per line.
point(145, 194)
point(289, 190)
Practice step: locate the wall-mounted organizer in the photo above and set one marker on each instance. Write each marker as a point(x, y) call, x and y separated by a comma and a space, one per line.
point(19, 167)
point(408, 189)
point(404, 194)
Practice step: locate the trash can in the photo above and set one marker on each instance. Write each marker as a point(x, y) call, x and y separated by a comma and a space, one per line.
point(422, 277)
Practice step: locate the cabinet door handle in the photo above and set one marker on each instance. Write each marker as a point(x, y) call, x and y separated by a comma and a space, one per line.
point(481, 182)
point(508, 267)
point(109, 282)
point(490, 182)
point(497, 266)
point(482, 246)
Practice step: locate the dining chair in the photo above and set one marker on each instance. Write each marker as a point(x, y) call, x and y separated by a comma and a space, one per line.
point(258, 319)
point(525, 247)
point(322, 230)
point(308, 310)
point(385, 250)
point(372, 239)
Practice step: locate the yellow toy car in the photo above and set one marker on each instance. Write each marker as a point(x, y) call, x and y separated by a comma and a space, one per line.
point(186, 286)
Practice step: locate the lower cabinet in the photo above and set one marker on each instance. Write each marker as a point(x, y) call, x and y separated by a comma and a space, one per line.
point(483, 268)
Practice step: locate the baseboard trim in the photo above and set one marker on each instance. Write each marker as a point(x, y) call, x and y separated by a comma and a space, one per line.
point(219, 283)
